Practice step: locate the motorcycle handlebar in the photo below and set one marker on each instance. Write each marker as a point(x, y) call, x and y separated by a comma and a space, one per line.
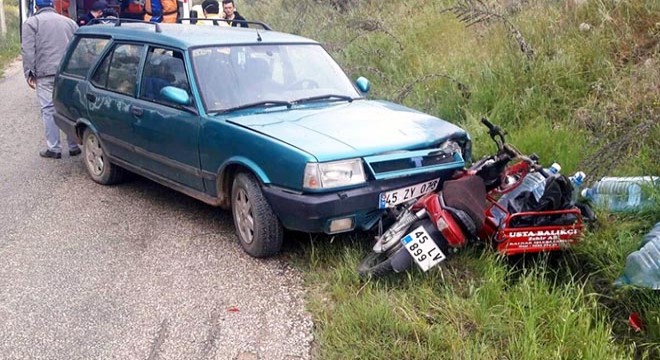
point(508, 151)
point(488, 124)
point(495, 133)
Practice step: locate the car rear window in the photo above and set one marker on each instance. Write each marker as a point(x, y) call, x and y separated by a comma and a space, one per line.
point(118, 71)
point(85, 55)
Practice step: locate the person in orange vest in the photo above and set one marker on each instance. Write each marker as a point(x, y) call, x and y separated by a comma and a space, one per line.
point(61, 7)
point(131, 9)
point(160, 11)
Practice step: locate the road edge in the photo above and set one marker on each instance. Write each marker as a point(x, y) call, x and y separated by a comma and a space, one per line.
point(11, 69)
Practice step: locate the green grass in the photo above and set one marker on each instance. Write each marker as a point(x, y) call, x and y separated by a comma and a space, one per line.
point(10, 45)
point(478, 306)
point(588, 100)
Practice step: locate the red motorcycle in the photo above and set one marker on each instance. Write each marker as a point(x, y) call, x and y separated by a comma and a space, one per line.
point(428, 230)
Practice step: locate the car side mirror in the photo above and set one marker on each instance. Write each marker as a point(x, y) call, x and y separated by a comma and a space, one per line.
point(175, 95)
point(193, 16)
point(363, 84)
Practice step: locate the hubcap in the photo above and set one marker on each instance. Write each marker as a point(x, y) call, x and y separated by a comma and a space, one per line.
point(94, 157)
point(243, 216)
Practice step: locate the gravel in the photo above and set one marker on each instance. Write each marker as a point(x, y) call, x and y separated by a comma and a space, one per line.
point(133, 271)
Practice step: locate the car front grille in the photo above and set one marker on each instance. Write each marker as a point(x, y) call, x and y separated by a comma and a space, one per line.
point(386, 166)
point(405, 163)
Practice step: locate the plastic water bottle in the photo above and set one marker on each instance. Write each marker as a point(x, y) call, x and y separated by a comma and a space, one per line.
point(534, 182)
point(576, 180)
point(619, 194)
point(643, 266)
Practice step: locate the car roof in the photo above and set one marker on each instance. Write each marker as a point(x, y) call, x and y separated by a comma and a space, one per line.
point(185, 36)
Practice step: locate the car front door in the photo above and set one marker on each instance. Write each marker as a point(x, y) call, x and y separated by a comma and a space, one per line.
point(167, 133)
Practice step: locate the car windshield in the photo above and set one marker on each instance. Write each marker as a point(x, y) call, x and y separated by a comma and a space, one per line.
point(233, 77)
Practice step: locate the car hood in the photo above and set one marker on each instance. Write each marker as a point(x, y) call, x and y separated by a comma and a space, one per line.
point(346, 130)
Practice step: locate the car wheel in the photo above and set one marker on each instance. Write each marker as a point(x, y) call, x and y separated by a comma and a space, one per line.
point(259, 231)
point(98, 166)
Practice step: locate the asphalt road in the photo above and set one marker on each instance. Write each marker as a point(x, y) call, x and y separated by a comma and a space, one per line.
point(133, 271)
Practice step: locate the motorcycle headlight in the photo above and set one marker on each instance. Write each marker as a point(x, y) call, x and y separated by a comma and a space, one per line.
point(333, 174)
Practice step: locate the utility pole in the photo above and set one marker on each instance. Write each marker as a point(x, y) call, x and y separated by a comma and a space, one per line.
point(3, 23)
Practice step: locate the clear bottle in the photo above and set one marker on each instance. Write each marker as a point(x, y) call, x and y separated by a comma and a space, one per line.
point(534, 182)
point(619, 194)
point(576, 180)
point(643, 266)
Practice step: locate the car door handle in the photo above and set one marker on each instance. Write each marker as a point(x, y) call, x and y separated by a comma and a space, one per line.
point(91, 97)
point(137, 111)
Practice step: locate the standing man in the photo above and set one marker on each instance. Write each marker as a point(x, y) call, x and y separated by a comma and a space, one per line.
point(211, 10)
point(231, 14)
point(45, 38)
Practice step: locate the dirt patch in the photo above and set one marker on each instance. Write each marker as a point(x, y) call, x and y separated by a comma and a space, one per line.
point(11, 69)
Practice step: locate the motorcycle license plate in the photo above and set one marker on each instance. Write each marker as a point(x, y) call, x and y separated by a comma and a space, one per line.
point(395, 197)
point(423, 249)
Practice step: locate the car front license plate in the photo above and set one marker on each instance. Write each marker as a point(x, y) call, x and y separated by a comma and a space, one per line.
point(395, 197)
point(423, 249)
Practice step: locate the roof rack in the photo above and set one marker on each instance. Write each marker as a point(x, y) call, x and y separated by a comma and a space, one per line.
point(119, 21)
point(194, 20)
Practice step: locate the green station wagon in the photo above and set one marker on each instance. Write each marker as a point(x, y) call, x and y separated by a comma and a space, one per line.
point(261, 122)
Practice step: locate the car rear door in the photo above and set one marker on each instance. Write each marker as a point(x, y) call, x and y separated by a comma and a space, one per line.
point(110, 97)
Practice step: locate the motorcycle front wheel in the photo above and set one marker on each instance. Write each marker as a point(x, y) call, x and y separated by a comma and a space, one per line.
point(398, 259)
point(380, 264)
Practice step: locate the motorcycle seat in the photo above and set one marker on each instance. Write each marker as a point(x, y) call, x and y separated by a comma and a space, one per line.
point(465, 198)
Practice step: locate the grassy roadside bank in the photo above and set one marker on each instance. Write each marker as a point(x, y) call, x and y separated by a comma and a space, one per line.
point(10, 45)
point(586, 95)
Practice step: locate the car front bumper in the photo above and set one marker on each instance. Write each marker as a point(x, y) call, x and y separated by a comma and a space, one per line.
point(313, 213)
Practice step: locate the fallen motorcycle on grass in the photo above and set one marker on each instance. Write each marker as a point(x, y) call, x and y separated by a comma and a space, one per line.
point(471, 207)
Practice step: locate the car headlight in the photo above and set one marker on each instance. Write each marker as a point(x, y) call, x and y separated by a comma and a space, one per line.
point(333, 174)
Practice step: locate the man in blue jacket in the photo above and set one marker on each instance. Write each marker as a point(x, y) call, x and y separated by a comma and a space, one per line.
point(45, 38)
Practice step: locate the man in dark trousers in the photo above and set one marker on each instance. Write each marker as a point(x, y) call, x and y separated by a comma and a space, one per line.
point(45, 38)
point(231, 14)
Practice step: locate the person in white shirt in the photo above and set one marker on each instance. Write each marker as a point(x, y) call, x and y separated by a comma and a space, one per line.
point(211, 10)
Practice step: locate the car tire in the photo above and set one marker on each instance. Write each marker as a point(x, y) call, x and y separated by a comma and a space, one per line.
point(97, 163)
point(258, 229)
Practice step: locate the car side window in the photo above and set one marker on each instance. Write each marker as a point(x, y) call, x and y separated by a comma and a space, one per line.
point(162, 68)
point(84, 56)
point(118, 71)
